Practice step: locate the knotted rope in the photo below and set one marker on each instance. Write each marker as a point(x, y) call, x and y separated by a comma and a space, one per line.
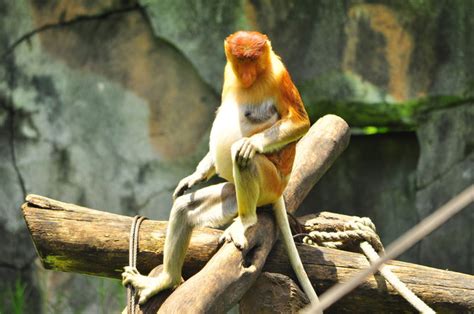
point(362, 231)
point(132, 259)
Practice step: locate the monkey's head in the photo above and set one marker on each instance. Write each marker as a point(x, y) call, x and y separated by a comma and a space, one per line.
point(249, 55)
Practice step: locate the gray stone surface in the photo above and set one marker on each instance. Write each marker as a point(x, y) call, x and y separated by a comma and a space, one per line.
point(445, 168)
point(375, 178)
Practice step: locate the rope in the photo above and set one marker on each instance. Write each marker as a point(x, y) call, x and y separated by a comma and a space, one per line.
point(132, 259)
point(357, 230)
point(363, 231)
point(407, 240)
point(396, 283)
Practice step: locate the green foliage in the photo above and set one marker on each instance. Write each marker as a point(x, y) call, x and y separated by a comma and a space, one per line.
point(110, 293)
point(16, 295)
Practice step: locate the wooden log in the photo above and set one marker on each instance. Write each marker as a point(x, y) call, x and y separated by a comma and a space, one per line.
point(77, 239)
point(315, 154)
point(273, 293)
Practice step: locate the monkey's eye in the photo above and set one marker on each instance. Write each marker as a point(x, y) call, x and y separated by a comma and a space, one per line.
point(242, 59)
point(246, 59)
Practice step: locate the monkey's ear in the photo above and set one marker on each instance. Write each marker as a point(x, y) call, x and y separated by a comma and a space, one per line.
point(269, 44)
point(227, 50)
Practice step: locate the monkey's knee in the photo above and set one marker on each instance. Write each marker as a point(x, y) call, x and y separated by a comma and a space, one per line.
point(180, 209)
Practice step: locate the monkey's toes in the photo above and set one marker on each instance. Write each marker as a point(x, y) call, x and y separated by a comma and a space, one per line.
point(145, 295)
point(240, 244)
point(225, 237)
point(130, 270)
point(239, 240)
point(126, 279)
point(128, 275)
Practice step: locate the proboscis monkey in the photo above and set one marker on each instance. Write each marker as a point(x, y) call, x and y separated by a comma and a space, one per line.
point(252, 146)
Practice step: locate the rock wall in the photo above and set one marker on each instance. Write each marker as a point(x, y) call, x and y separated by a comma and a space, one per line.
point(109, 103)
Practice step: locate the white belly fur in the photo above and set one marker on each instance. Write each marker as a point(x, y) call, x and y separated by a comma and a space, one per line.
point(229, 126)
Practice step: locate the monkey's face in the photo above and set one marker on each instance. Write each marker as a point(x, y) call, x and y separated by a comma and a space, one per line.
point(248, 53)
point(246, 71)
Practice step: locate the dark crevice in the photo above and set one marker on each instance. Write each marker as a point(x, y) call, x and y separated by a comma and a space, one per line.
point(7, 104)
point(250, 257)
point(8, 266)
point(11, 140)
point(21, 268)
point(417, 246)
point(80, 18)
point(146, 18)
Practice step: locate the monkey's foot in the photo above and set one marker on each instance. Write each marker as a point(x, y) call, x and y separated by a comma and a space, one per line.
point(147, 286)
point(236, 233)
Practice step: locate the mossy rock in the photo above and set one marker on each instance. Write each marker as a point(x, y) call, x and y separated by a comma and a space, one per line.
point(373, 64)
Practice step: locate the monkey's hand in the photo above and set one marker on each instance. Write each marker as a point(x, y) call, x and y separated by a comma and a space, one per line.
point(187, 183)
point(147, 286)
point(244, 150)
point(236, 232)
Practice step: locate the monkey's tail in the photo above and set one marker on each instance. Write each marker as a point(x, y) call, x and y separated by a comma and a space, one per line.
point(295, 260)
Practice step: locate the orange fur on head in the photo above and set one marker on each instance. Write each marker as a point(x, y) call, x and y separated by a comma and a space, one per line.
point(248, 54)
point(246, 45)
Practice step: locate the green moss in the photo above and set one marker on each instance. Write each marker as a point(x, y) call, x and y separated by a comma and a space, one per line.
point(66, 264)
point(363, 104)
point(392, 116)
point(370, 130)
point(58, 262)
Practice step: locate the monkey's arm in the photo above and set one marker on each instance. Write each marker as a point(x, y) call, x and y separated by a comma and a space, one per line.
point(294, 122)
point(204, 171)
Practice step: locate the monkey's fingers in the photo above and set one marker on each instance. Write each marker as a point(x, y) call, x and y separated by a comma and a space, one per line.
point(241, 160)
point(180, 189)
point(252, 153)
point(248, 154)
point(238, 157)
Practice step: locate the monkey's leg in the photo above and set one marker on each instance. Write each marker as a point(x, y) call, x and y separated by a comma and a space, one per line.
point(211, 206)
point(257, 183)
point(247, 191)
point(295, 260)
